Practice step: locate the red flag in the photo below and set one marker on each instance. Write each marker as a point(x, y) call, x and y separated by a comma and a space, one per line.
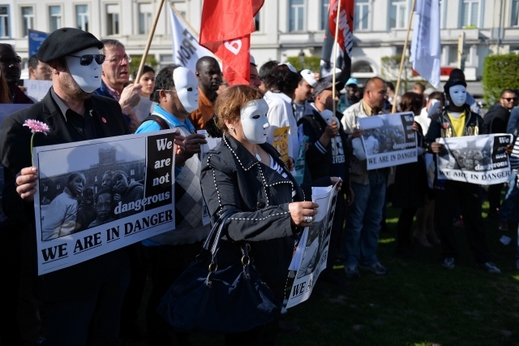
point(225, 30)
point(344, 39)
point(345, 21)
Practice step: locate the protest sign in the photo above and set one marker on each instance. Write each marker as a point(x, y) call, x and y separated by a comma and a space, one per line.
point(97, 196)
point(37, 89)
point(388, 139)
point(478, 160)
point(311, 254)
point(280, 142)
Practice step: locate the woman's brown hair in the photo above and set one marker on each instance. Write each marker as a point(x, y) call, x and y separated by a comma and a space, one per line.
point(230, 101)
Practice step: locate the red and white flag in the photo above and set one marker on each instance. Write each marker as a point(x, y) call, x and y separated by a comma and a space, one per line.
point(225, 30)
point(344, 39)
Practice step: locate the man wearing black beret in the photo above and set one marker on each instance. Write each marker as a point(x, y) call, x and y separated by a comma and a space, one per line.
point(82, 302)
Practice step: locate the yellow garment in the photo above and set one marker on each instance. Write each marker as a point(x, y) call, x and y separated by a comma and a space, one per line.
point(458, 124)
point(204, 112)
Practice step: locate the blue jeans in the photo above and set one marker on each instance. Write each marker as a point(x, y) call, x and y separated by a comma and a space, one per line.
point(363, 220)
point(508, 210)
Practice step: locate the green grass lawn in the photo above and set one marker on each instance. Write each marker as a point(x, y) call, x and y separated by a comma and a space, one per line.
point(417, 303)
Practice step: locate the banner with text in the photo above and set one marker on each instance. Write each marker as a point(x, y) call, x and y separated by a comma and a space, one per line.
point(311, 254)
point(478, 160)
point(100, 195)
point(389, 139)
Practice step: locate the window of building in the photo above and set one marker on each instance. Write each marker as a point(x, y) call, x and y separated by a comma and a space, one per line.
point(4, 22)
point(145, 18)
point(325, 8)
point(54, 18)
point(297, 15)
point(515, 13)
point(470, 13)
point(27, 19)
point(165, 60)
point(112, 19)
point(361, 15)
point(398, 14)
point(82, 17)
point(257, 22)
point(362, 67)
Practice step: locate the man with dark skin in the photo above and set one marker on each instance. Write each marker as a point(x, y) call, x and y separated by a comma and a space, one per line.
point(209, 77)
point(10, 65)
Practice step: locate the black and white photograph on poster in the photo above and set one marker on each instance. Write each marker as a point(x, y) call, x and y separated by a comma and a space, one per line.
point(478, 159)
point(97, 196)
point(388, 139)
point(311, 253)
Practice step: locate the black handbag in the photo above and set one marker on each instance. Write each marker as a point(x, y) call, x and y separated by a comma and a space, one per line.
point(207, 298)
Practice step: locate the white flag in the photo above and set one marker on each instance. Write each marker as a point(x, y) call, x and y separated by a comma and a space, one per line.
point(186, 49)
point(426, 45)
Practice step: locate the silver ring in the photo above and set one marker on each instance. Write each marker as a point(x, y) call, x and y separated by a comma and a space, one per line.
point(309, 219)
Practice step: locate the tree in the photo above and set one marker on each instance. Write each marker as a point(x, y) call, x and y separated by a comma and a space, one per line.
point(310, 62)
point(150, 61)
point(391, 66)
point(500, 72)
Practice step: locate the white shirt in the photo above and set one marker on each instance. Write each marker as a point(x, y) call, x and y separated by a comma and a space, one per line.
point(280, 114)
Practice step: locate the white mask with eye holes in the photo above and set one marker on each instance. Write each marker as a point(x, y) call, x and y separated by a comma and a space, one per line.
point(88, 78)
point(458, 94)
point(254, 121)
point(186, 87)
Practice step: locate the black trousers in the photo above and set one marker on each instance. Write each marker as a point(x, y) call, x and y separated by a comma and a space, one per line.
point(468, 196)
point(166, 264)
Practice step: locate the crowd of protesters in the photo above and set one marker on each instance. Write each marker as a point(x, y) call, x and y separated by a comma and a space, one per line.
point(97, 302)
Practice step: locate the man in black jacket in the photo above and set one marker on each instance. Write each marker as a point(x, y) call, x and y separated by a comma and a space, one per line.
point(458, 120)
point(326, 156)
point(496, 120)
point(82, 302)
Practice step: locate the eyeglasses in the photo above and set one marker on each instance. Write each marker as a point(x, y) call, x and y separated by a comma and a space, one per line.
point(9, 61)
point(510, 99)
point(85, 60)
point(117, 59)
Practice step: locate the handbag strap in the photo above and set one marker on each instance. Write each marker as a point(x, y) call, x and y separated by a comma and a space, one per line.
point(213, 239)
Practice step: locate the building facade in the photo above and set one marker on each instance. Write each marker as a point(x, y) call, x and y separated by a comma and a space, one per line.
point(284, 28)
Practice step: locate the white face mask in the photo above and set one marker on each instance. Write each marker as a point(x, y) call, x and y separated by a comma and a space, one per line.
point(87, 77)
point(186, 86)
point(254, 121)
point(458, 94)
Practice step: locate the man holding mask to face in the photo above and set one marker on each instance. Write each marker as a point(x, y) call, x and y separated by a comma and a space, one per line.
point(82, 302)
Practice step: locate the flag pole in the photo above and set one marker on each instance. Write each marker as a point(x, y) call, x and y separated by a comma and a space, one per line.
point(403, 55)
point(335, 44)
point(148, 44)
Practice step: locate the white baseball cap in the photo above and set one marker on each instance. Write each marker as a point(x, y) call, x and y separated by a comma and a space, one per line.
point(308, 76)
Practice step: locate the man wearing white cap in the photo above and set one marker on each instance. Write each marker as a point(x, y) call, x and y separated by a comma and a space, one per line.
point(303, 94)
point(349, 98)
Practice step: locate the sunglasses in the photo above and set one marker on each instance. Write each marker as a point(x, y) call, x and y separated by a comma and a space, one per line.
point(85, 60)
point(510, 99)
point(15, 60)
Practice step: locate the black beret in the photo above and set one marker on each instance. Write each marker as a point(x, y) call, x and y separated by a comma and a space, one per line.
point(452, 82)
point(66, 41)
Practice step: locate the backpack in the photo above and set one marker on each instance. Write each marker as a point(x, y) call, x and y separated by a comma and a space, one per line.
point(159, 120)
